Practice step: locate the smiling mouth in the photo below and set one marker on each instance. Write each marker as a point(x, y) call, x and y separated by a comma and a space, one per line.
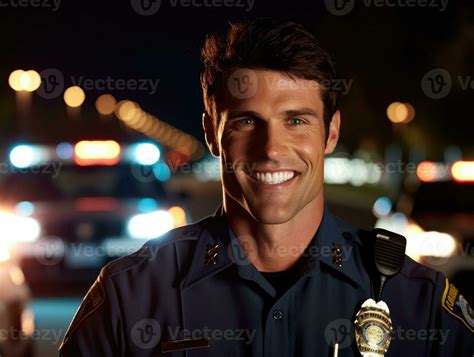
point(272, 178)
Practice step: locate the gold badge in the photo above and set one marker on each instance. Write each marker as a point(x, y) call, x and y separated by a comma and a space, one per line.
point(373, 328)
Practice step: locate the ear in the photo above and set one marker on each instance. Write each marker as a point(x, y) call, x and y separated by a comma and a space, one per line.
point(210, 134)
point(333, 135)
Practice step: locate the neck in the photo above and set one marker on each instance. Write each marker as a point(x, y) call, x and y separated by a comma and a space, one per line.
point(274, 247)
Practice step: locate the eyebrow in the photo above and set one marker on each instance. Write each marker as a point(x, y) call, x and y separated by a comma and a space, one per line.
point(287, 113)
point(242, 113)
point(302, 111)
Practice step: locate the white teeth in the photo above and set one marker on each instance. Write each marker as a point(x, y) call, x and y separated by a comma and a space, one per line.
point(275, 177)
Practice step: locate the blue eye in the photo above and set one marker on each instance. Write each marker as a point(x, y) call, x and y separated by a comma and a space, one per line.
point(246, 121)
point(296, 121)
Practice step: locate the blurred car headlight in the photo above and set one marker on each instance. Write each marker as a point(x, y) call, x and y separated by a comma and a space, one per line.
point(433, 244)
point(146, 154)
point(4, 251)
point(150, 225)
point(19, 229)
point(420, 243)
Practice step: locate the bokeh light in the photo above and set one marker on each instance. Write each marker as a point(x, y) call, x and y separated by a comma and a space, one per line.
point(126, 110)
point(399, 112)
point(65, 151)
point(74, 96)
point(463, 171)
point(427, 171)
point(382, 207)
point(22, 156)
point(15, 79)
point(105, 104)
point(21, 80)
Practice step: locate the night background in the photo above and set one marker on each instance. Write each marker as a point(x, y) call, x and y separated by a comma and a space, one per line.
point(420, 54)
point(385, 51)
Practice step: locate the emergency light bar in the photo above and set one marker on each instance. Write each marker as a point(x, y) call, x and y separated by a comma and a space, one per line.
point(463, 171)
point(96, 152)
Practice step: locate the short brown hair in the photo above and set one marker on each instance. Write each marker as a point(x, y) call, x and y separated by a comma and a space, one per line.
point(267, 44)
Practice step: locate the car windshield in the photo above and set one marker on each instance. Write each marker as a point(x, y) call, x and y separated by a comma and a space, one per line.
point(444, 197)
point(69, 182)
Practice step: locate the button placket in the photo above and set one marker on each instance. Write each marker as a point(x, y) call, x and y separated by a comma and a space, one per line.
point(277, 332)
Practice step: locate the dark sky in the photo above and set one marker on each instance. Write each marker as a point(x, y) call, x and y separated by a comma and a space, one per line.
point(385, 52)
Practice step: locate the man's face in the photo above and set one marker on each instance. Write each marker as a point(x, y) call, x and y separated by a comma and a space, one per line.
point(272, 145)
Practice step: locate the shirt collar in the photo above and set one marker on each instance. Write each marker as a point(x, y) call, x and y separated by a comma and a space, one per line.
point(337, 243)
point(332, 247)
point(214, 242)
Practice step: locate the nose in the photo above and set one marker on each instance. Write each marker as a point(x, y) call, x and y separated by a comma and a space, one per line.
point(273, 142)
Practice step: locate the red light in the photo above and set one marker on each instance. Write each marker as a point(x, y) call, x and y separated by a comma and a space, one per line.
point(97, 152)
point(463, 171)
point(96, 204)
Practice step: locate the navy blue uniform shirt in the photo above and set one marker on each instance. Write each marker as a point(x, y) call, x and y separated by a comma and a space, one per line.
point(196, 282)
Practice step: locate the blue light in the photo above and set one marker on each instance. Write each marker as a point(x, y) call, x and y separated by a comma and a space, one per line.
point(147, 205)
point(25, 208)
point(22, 156)
point(162, 172)
point(398, 220)
point(146, 154)
point(65, 151)
point(382, 207)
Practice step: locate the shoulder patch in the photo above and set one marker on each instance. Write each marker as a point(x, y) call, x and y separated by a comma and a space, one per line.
point(94, 298)
point(455, 304)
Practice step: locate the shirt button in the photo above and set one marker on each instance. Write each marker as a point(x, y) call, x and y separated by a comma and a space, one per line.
point(277, 315)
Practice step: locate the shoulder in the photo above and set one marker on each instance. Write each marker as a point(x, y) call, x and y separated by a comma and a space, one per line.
point(178, 241)
point(411, 270)
point(414, 270)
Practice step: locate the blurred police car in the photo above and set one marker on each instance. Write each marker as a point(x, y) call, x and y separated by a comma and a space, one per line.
point(68, 210)
point(436, 215)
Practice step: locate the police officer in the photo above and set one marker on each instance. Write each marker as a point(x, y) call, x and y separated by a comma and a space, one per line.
point(272, 272)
